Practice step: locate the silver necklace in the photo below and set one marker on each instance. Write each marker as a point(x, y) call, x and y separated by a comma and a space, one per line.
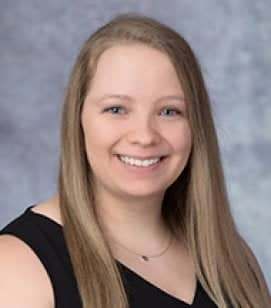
point(144, 257)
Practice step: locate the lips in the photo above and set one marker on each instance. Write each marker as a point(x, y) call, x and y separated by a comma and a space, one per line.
point(141, 170)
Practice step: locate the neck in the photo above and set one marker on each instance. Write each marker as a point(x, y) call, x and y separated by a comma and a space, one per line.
point(136, 223)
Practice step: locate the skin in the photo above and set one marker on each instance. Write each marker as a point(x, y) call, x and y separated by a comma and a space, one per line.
point(151, 121)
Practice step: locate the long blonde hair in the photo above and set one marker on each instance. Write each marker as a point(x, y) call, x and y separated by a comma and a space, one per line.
point(195, 205)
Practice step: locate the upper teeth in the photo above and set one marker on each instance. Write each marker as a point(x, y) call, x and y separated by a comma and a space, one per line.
point(139, 162)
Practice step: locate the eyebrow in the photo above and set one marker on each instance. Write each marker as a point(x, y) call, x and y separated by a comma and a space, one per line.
point(129, 98)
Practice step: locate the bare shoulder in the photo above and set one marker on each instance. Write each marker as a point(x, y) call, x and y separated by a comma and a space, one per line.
point(49, 208)
point(24, 282)
point(257, 269)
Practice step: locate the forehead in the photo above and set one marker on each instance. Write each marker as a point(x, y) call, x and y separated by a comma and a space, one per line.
point(135, 68)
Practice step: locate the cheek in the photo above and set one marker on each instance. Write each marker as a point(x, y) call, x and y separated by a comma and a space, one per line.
point(99, 138)
point(187, 138)
point(180, 137)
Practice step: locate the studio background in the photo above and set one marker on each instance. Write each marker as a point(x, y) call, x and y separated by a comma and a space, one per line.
point(39, 41)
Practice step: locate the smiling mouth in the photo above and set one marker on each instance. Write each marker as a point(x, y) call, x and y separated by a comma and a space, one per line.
point(145, 163)
point(141, 157)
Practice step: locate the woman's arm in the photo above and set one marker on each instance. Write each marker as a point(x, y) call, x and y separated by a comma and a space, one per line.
point(23, 280)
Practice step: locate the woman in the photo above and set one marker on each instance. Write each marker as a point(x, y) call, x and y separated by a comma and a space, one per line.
point(142, 203)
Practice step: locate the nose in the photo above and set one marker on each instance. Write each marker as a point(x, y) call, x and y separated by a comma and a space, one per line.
point(144, 133)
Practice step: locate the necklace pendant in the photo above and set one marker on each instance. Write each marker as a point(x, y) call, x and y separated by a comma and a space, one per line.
point(144, 258)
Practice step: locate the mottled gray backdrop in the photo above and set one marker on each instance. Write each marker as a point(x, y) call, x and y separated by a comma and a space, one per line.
point(232, 38)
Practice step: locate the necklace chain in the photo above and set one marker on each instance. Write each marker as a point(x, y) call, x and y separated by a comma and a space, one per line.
point(144, 257)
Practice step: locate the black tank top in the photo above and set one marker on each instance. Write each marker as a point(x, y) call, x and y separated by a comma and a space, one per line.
point(45, 237)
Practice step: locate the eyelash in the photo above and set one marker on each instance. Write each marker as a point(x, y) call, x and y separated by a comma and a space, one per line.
point(178, 112)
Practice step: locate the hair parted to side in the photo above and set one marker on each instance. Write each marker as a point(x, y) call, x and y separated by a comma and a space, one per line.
point(195, 205)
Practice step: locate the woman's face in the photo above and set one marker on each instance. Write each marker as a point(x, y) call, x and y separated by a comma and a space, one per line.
point(133, 115)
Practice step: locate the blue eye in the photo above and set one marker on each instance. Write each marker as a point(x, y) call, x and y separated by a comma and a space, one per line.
point(114, 110)
point(175, 111)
